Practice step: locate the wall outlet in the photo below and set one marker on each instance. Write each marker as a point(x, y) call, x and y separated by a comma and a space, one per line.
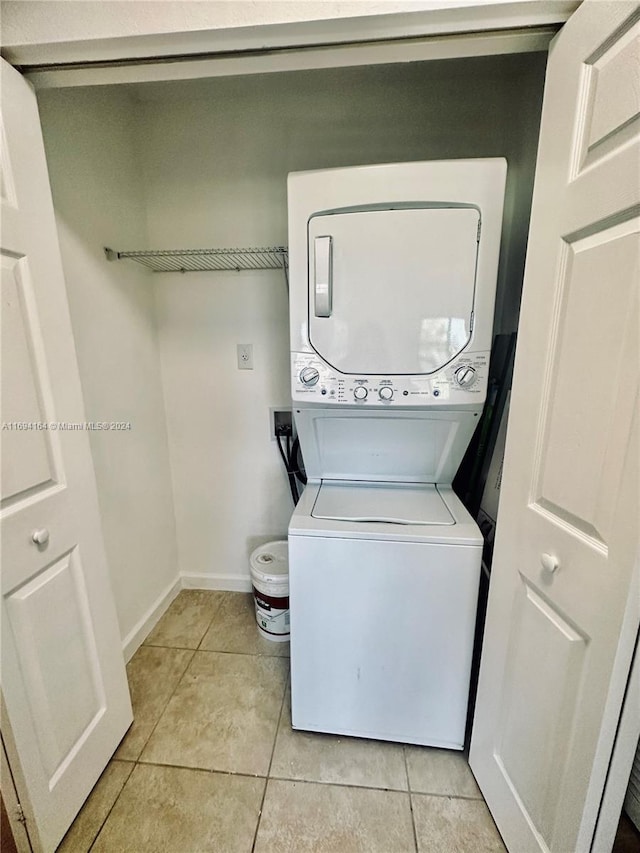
point(282, 422)
point(245, 356)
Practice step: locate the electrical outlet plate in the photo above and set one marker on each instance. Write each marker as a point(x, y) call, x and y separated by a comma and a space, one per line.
point(245, 356)
point(282, 420)
point(277, 415)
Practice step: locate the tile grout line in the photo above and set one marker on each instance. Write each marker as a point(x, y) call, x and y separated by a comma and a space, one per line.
point(217, 651)
point(409, 792)
point(292, 779)
point(273, 750)
point(184, 648)
point(209, 771)
point(437, 795)
point(113, 805)
point(340, 784)
point(223, 598)
point(166, 704)
point(304, 781)
point(136, 761)
point(178, 683)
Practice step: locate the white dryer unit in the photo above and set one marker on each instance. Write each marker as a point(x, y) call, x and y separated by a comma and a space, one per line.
point(392, 276)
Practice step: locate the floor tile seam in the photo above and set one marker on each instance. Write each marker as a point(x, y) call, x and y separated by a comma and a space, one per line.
point(292, 779)
point(363, 787)
point(146, 642)
point(482, 800)
point(218, 608)
point(213, 651)
point(278, 778)
point(166, 704)
point(466, 797)
point(242, 654)
point(349, 785)
point(413, 819)
point(273, 749)
point(206, 770)
point(113, 805)
point(391, 789)
point(406, 767)
point(170, 646)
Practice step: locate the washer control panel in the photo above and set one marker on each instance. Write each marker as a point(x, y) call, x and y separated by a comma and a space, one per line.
point(462, 381)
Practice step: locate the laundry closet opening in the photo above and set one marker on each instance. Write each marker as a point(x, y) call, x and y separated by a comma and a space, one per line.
point(196, 483)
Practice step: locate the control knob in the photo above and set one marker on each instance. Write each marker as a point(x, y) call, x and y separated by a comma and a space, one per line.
point(309, 376)
point(360, 392)
point(466, 376)
point(385, 393)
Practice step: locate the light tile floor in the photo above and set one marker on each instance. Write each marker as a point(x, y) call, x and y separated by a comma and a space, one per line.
point(211, 762)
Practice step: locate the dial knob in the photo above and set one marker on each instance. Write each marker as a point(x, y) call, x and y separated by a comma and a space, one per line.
point(385, 393)
point(360, 392)
point(466, 376)
point(309, 376)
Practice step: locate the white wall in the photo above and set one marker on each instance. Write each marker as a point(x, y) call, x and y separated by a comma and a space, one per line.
point(216, 158)
point(230, 489)
point(97, 188)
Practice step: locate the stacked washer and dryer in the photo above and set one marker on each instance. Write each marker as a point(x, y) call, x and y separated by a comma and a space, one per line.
point(392, 288)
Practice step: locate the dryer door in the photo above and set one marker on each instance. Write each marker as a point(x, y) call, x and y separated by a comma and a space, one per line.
point(391, 291)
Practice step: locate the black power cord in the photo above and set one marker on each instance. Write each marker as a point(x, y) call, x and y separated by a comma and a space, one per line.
point(287, 464)
point(298, 462)
point(291, 456)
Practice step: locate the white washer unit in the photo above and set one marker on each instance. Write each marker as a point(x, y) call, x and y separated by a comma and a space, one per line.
point(392, 277)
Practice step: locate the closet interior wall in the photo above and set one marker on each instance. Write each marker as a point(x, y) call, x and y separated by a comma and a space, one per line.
point(207, 167)
point(96, 178)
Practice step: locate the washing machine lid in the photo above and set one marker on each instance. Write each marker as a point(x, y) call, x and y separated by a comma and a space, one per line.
point(391, 292)
point(399, 503)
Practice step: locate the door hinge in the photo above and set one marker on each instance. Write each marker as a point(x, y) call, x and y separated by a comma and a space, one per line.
point(20, 815)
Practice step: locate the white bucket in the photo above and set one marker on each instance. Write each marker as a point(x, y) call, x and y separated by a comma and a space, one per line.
point(270, 580)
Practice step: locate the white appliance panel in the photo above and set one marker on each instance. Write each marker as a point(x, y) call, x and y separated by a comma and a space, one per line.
point(392, 446)
point(392, 291)
point(473, 185)
point(382, 637)
point(393, 503)
point(462, 383)
point(464, 530)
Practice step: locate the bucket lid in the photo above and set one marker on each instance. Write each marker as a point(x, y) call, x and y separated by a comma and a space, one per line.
point(271, 561)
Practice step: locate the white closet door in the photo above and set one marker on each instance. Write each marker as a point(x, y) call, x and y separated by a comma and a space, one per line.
point(63, 677)
point(564, 600)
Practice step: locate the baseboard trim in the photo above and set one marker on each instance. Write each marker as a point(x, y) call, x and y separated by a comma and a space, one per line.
point(143, 628)
point(232, 583)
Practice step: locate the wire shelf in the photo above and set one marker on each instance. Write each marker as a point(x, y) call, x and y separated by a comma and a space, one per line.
point(206, 260)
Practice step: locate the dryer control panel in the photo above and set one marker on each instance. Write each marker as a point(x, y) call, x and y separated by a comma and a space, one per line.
point(464, 380)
